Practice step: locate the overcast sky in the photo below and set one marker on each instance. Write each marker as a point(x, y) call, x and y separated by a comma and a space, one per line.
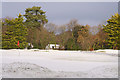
point(92, 13)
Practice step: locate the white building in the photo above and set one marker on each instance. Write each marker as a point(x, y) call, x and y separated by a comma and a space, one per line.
point(53, 46)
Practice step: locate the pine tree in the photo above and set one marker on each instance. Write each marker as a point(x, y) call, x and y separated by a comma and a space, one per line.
point(35, 20)
point(113, 30)
point(71, 45)
point(35, 17)
point(16, 31)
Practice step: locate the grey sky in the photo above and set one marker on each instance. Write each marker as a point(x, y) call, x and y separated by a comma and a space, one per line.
point(92, 13)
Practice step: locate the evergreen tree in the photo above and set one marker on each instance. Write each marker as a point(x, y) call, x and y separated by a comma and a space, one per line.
point(16, 31)
point(35, 17)
point(71, 45)
point(35, 20)
point(75, 31)
point(113, 30)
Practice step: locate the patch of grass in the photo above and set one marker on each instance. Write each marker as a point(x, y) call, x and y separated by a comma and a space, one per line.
point(36, 50)
point(46, 51)
point(101, 51)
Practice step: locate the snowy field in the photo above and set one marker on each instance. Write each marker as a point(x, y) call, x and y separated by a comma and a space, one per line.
point(59, 64)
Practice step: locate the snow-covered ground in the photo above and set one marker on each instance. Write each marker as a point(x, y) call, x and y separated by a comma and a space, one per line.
point(59, 64)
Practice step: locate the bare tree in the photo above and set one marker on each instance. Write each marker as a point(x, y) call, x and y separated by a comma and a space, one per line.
point(51, 27)
point(72, 24)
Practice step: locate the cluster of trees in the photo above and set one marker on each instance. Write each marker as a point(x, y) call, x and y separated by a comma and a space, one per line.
point(36, 30)
point(82, 38)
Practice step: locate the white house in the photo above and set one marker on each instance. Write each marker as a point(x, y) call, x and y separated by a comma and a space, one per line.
point(53, 46)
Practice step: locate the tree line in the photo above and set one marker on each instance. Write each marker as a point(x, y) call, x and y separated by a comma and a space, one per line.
point(36, 30)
